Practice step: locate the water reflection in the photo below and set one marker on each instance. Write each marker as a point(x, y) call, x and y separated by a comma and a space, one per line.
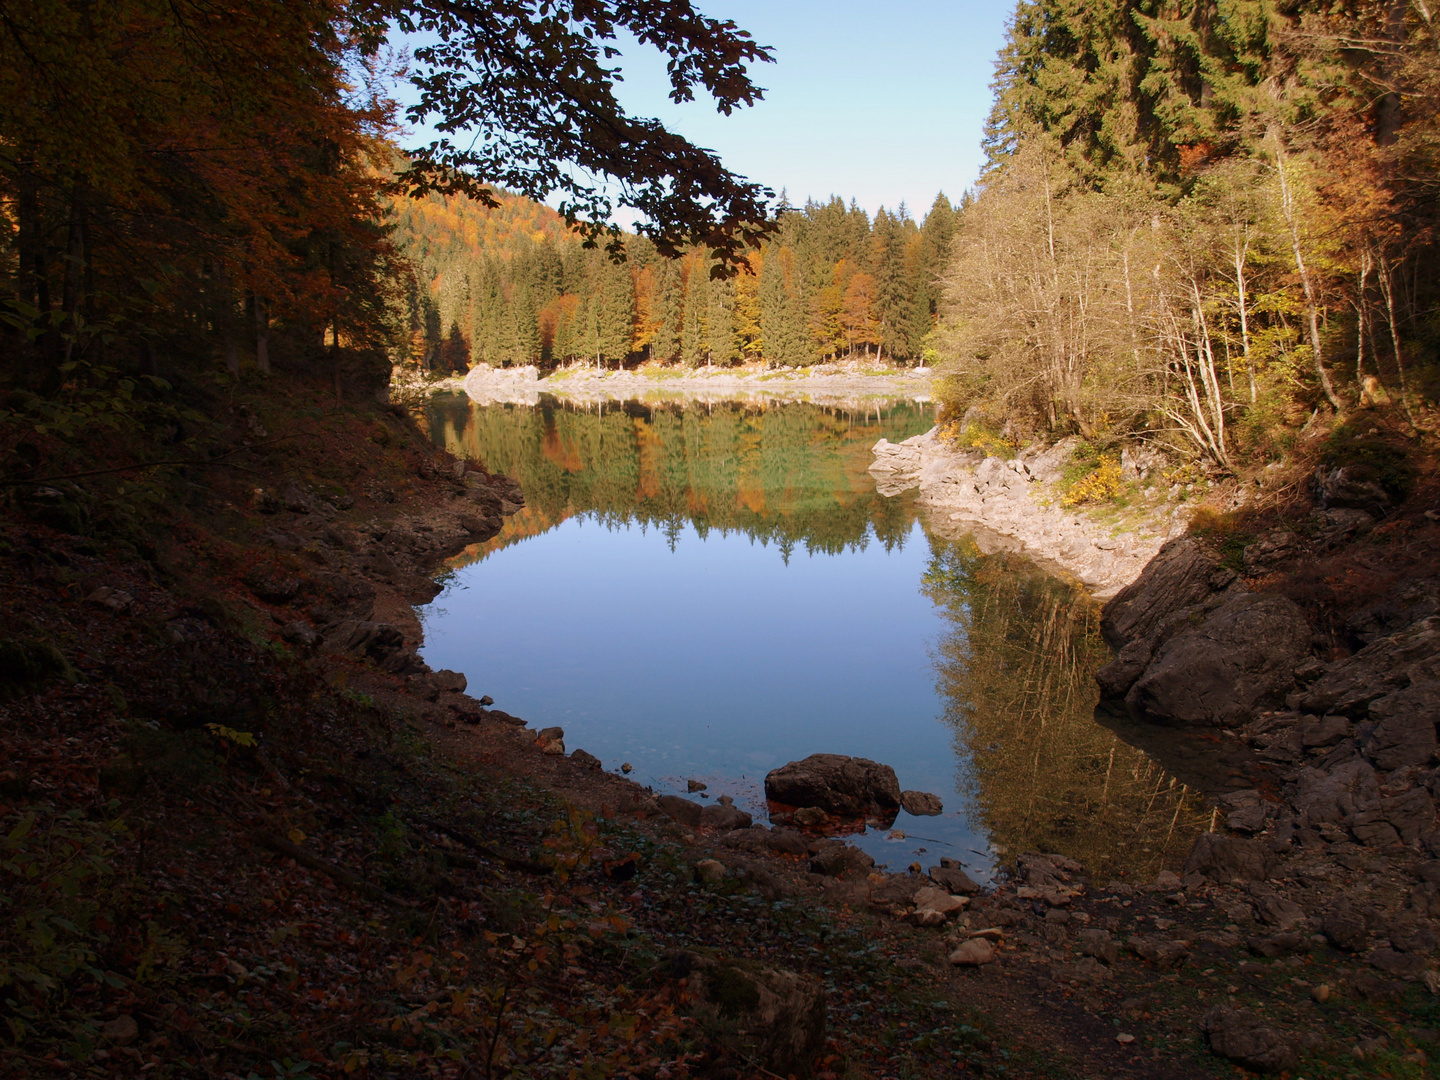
point(793, 475)
point(668, 637)
point(1016, 672)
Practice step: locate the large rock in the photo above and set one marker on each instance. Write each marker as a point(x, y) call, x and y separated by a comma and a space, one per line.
point(376, 641)
point(1242, 656)
point(954, 880)
point(1405, 731)
point(772, 1018)
point(1181, 574)
point(1228, 858)
point(1241, 1037)
point(1346, 789)
point(1381, 668)
point(837, 784)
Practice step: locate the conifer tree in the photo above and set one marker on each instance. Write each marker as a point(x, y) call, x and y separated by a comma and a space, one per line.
point(665, 339)
point(693, 338)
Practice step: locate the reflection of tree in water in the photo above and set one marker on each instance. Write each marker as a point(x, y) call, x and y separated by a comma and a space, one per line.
point(795, 474)
point(1017, 675)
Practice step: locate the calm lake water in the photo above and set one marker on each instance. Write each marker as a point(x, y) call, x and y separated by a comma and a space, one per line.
point(707, 592)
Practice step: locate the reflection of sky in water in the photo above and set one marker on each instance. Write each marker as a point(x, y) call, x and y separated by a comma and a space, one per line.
point(716, 660)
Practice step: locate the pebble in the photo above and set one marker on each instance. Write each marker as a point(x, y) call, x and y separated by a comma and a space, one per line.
point(1124, 1038)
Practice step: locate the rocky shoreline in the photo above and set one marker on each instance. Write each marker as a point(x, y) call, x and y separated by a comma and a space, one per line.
point(844, 385)
point(1011, 504)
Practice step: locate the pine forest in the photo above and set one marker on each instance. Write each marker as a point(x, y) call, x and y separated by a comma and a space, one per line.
point(511, 285)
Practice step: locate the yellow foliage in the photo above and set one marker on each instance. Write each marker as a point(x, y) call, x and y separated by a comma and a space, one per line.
point(1104, 483)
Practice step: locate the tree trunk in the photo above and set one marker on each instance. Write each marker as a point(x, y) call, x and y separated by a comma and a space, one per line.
point(262, 336)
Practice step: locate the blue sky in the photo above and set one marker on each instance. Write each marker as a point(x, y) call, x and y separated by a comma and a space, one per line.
point(883, 103)
point(880, 102)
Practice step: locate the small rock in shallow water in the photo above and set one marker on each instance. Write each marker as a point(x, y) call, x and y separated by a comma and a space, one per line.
point(921, 803)
point(694, 785)
point(626, 767)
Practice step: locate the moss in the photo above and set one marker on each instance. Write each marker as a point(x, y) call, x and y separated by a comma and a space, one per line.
point(1370, 456)
point(27, 663)
point(733, 991)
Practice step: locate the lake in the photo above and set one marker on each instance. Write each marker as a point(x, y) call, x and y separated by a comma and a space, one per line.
point(705, 592)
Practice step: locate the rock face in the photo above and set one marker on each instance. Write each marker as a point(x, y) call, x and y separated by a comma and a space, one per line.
point(1180, 575)
point(1383, 667)
point(838, 784)
point(1242, 656)
point(1228, 858)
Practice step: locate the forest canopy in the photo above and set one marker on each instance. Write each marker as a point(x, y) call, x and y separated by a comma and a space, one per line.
point(1200, 222)
point(181, 179)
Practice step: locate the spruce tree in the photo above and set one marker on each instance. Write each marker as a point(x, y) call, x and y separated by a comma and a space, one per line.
point(615, 312)
point(665, 340)
point(722, 341)
point(697, 304)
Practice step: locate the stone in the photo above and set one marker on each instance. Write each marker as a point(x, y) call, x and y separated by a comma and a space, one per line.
point(895, 891)
point(1348, 488)
point(921, 803)
point(939, 900)
point(1346, 927)
point(297, 500)
point(953, 879)
point(1168, 880)
point(1161, 952)
point(835, 857)
point(1325, 731)
point(376, 641)
point(626, 767)
point(272, 587)
point(1332, 796)
point(1275, 910)
point(1275, 945)
point(1405, 732)
point(300, 634)
point(693, 786)
point(926, 917)
point(1226, 858)
point(709, 871)
point(1241, 657)
point(774, 1019)
point(1100, 945)
point(1178, 576)
point(681, 810)
point(112, 599)
point(551, 740)
point(973, 953)
point(1396, 963)
point(122, 1031)
point(1116, 677)
point(1240, 1036)
point(448, 682)
point(785, 842)
point(809, 817)
point(1383, 667)
point(836, 783)
point(724, 818)
point(585, 759)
